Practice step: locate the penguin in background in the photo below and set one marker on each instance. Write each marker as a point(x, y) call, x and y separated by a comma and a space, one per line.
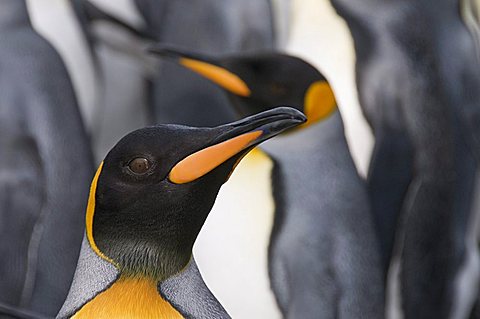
point(56, 22)
point(109, 80)
point(417, 85)
point(45, 161)
point(208, 26)
point(116, 48)
point(148, 202)
point(323, 257)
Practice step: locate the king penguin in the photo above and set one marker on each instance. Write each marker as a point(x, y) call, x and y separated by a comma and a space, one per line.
point(323, 255)
point(416, 68)
point(148, 202)
point(45, 160)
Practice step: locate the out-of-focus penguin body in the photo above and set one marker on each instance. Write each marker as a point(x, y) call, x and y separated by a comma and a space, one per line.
point(415, 80)
point(116, 50)
point(44, 162)
point(323, 258)
point(211, 27)
point(148, 201)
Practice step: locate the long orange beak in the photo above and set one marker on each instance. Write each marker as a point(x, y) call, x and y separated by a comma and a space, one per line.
point(240, 138)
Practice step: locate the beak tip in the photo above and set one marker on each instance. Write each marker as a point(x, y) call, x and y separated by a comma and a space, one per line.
point(296, 115)
point(301, 118)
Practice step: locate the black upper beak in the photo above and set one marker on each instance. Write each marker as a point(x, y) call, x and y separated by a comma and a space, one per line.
point(270, 123)
point(175, 53)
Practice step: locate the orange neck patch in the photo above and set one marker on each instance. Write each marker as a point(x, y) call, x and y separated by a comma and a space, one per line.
point(129, 298)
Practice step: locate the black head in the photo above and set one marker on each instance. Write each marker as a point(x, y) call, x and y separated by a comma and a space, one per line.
point(155, 188)
point(261, 81)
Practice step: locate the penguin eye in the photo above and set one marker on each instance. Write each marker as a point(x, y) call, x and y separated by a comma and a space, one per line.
point(139, 165)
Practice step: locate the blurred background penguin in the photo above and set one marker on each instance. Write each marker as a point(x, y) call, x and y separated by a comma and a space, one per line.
point(45, 166)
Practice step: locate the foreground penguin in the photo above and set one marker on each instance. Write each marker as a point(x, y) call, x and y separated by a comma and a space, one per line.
point(45, 162)
point(148, 201)
point(323, 258)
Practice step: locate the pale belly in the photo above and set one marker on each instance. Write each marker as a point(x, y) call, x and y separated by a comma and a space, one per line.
point(129, 298)
point(231, 250)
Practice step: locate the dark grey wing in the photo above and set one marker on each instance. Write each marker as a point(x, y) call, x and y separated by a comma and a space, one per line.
point(461, 66)
point(439, 209)
point(22, 202)
point(68, 167)
point(9, 312)
point(389, 176)
point(50, 186)
point(188, 293)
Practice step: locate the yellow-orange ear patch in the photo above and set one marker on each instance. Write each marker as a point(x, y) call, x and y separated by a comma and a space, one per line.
point(202, 162)
point(90, 213)
point(319, 102)
point(218, 75)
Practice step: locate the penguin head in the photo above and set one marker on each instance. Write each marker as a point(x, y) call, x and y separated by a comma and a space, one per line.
point(155, 188)
point(257, 82)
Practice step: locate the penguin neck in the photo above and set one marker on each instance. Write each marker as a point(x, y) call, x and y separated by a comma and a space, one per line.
point(311, 139)
point(147, 260)
point(147, 240)
point(13, 13)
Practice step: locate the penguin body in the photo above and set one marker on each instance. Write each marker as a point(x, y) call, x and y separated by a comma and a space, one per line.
point(148, 201)
point(323, 258)
point(43, 149)
point(414, 71)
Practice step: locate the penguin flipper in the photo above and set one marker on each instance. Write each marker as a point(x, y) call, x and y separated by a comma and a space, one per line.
point(427, 249)
point(7, 311)
point(389, 176)
point(22, 196)
point(188, 293)
point(92, 276)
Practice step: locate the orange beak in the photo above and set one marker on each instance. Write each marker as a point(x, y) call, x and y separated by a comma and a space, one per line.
point(238, 139)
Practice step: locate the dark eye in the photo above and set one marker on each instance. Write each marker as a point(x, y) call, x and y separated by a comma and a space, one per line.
point(139, 165)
